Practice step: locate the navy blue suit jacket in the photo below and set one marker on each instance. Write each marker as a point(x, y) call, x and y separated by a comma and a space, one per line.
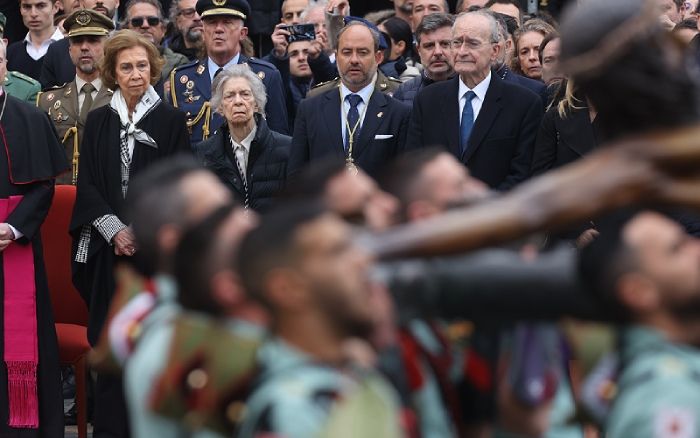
point(317, 132)
point(502, 140)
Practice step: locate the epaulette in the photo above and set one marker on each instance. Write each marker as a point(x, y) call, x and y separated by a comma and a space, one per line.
point(25, 78)
point(184, 66)
point(262, 62)
point(324, 83)
point(49, 93)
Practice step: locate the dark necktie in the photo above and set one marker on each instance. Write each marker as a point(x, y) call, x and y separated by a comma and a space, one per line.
point(88, 88)
point(467, 123)
point(352, 127)
point(218, 71)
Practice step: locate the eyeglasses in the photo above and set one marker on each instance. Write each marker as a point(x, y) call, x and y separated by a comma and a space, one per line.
point(244, 95)
point(187, 13)
point(138, 21)
point(473, 44)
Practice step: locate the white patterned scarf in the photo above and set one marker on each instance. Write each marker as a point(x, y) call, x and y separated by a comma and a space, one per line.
point(129, 133)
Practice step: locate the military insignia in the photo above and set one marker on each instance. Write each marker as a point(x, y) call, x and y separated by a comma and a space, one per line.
point(380, 115)
point(383, 85)
point(190, 85)
point(219, 2)
point(70, 90)
point(83, 18)
point(59, 118)
point(57, 105)
point(261, 75)
point(50, 97)
point(184, 79)
point(200, 69)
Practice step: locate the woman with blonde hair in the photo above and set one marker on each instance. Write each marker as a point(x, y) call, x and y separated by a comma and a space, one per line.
point(527, 47)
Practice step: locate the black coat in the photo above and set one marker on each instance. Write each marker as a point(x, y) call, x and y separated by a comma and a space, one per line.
point(99, 193)
point(563, 140)
point(267, 163)
point(503, 136)
point(57, 68)
point(318, 132)
point(408, 91)
point(537, 87)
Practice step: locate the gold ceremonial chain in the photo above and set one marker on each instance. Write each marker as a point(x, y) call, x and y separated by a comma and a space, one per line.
point(349, 161)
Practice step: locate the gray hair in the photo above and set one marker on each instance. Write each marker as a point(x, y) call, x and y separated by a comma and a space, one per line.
point(313, 5)
point(494, 30)
point(431, 23)
point(238, 71)
point(375, 34)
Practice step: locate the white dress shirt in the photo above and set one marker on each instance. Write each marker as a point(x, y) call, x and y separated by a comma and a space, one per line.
point(97, 83)
point(365, 94)
point(37, 52)
point(478, 101)
point(213, 67)
point(242, 150)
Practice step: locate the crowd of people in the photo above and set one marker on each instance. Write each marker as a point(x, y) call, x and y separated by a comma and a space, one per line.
point(422, 222)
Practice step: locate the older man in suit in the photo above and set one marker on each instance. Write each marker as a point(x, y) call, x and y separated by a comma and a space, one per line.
point(490, 125)
point(354, 121)
point(68, 105)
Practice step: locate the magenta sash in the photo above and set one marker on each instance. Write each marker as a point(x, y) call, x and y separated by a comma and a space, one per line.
point(21, 353)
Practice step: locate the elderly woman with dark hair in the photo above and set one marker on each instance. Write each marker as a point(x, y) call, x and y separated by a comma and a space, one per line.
point(121, 140)
point(249, 158)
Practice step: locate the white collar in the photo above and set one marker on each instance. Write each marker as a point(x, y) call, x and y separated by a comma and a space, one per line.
point(57, 35)
point(97, 83)
point(480, 89)
point(248, 140)
point(213, 67)
point(365, 93)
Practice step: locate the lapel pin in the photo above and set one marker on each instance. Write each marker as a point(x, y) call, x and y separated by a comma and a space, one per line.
point(380, 115)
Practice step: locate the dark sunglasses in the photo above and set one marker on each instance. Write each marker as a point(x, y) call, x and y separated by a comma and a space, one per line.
point(138, 21)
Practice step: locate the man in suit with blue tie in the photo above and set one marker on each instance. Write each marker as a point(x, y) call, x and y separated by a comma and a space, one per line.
point(489, 124)
point(355, 121)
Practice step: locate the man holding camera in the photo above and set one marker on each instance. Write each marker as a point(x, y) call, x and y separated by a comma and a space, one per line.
point(190, 85)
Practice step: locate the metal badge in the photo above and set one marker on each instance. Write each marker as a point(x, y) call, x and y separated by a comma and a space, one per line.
point(49, 97)
point(261, 75)
point(383, 85)
point(200, 69)
point(59, 118)
point(190, 85)
point(219, 2)
point(83, 18)
point(184, 79)
point(57, 105)
point(380, 115)
point(70, 90)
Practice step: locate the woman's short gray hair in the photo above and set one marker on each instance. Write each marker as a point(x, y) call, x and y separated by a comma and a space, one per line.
point(238, 71)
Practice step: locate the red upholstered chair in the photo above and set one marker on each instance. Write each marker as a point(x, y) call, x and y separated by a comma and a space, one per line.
point(69, 310)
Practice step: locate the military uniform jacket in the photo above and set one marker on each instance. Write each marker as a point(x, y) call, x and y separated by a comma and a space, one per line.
point(22, 86)
point(658, 388)
point(61, 103)
point(384, 84)
point(298, 397)
point(190, 91)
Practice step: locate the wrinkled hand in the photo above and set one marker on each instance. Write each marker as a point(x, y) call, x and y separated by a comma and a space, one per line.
point(279, 40)
point(124, 242)
point(6, 236)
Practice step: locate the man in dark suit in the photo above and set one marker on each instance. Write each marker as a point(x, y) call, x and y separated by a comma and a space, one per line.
point(490, 125)
point(355, 121)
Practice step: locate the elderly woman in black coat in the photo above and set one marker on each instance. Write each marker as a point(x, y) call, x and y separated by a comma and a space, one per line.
point(249, 158)
point(121, 140)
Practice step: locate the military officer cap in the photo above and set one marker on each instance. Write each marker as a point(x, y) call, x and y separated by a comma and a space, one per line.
point(88, 22)
point(234, 8)
point(3, 20)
